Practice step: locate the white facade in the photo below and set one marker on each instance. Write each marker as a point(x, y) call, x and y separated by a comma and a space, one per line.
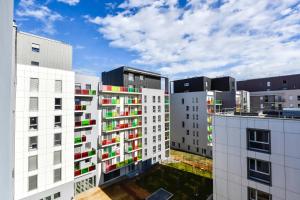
point(232, 178)
point(153, 125)
point(45, 90)
point(190, 121)
point(7, 97)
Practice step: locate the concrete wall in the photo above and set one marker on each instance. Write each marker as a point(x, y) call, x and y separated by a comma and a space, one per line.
point(230, 157)
point(45, 113)
point(53, 54)
point(7, 88)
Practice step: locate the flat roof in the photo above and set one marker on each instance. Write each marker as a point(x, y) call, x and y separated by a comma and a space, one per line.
point(43, 38)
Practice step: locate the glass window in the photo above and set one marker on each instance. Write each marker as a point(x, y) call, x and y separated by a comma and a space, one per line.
point(58, 104)
point(130, 77)
point(33, 123)
point(57, 157)
point(57, 139)
point(153, 99)
point(34, 84)
point(58, 86)
point(57, 122)
point(141, 77)
point(32, 182)
point(32, 163)
point(158, 99)
point(145, 99)
point(35, 47)
point(35, 63)
point(33, 104)
point(182, 101)
point(56, 195)
point(33, 143)
point(88, 86)
point(259, 140)
point(57, 175)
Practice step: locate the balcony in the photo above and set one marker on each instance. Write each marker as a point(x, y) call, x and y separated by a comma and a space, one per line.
point(209, 138)
point(108, 101)
point(78, 171)
point(113, 141)
point(210, 111)
point(84, 123)
point(84, 155)
point(110, 155)
point(119, 127)
point(80, 139)
point(131, 149)
point(209, 129)
point(80, 108)
point(112, 167)
point(133, 101)
point(117, 89)
point(209, 120)
point(133, 136)
point(79, 92)
point(115, 114)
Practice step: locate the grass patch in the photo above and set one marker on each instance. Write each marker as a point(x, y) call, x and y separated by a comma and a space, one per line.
point(188, 168)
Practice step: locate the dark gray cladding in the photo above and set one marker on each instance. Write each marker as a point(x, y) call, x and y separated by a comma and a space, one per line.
point(289, 82)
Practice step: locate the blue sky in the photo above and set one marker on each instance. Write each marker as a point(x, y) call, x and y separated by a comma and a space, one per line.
point(179, 38)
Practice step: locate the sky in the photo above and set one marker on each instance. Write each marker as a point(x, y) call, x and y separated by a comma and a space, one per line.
point(178, 38)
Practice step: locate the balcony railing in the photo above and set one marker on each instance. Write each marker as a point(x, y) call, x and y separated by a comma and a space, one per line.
point(131, 149)
point(209, 120)
point(80, 107)
point(86, 122)
point(117, 89)
point(259, 177)
point(106, 142)
point(209, 138)
point(115, 114)
point(209, 128)
point(85, 154)
point(133, 136)
point(111, 154)
point(80, 139)
point(117, 127)
point(78, 171)
point(85, 92)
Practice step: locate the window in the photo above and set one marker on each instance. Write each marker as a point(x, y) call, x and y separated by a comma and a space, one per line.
point(34, 84)
point(159, 118)
point(298, 98)
point(188, 132)
point(32, 182)
point(56, 195)
point(268, 83)
point(145, 99)
point(154, 119)
point(88, 115)
point(145, 152)
point(32, 163)
point(182, 101)
point(58, 86)
point(153, 99)
point(58, 104)
point(77, 86)
point(57, 122)
point(48, 198)
point(35, 47)
point(173, 144)
point(57, 175)
point(130, 77)
point(154, 159)
point(182, 124)
point(159, 138)
point(154, 129)
point(145, 130)
point(187, 116)
point(33, 123)
point(183, 139)
point(141, 77)
point(145, 120)
point(158, 99)
point(159, 128)
point(145, 109)
point(186, 84)
point(158, 108)
point(154, 109)
point(159, 148)
point(259, 140)
point(187, 108)
point(33, 143)
point(254, 194)
point(88, 86)
point(284, 82)
point(259, 171)
point(57, 157)
point(189, 147)
point(35, 63)
point(88, 145)
point(33, 104)
point(145, 141)
point(57, 139)
point(154, 139)
point(154, 149)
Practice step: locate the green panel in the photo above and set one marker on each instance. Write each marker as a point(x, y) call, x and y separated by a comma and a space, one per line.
point(85, 170)
point(85, 122)
point(209, 138)
point(77, 140)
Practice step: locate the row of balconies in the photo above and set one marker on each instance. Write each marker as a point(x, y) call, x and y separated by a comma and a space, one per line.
point(117, 89)
point(124, 163)
point(78, 171)
point(131, 136)
point(113, 127)
point(110, 154)
point(112, 114)
point(86, 122)
point(133, 148)
point(115, 101)
point(80, 107)
point(85, 92)
point(85, 154)
point(112, 141)
point(214, 102)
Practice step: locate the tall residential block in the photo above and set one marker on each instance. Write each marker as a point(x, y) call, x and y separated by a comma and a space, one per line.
point(86, 132)
point(7, 98)
point(134, 107)
point(193, 100)
point(44, 131)
point(255, 157)
point(273, 93)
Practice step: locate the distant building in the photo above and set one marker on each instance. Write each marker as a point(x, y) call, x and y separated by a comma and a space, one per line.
point(193, 100)
point(255, 157)
point(273, 93)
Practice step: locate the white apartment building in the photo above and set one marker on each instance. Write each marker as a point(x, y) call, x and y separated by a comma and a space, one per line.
point(44, 131)
point(7, 97)
point(255, 158)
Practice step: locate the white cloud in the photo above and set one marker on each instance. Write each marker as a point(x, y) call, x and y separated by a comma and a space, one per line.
point(31, 9)
point(70, 2)
point(238, 37)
